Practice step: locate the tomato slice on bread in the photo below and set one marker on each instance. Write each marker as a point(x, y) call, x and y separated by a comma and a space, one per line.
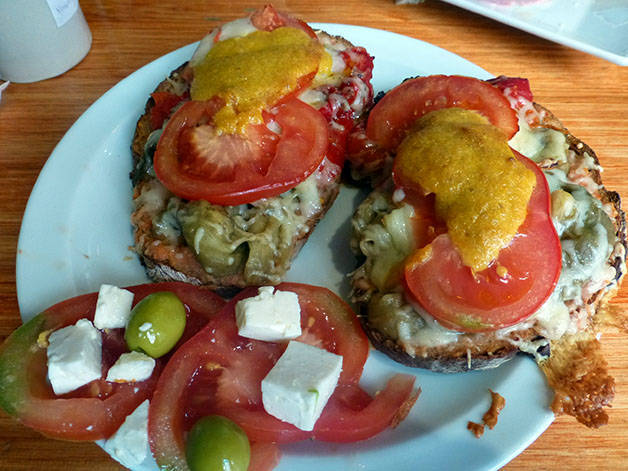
point(525, 273)
point(218, 371)
point(512, 288)
point(96, 410)
point(195, 162)
point(395, 113)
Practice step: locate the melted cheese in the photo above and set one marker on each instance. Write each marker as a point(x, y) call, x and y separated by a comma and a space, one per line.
point(539, 144)
point(256, 239)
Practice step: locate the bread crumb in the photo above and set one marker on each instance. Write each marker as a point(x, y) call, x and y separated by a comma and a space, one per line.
point(476, 429)
point(489, 419)
point(497, 404)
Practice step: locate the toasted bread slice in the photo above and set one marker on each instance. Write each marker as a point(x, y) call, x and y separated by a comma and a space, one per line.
point(564, 329)
point(243, 245)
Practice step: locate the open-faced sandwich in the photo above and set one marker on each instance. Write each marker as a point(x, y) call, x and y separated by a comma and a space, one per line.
point(170, 372)
point(488, 233)
point(239, 152)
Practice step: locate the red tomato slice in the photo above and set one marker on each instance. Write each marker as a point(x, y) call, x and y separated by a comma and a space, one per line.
point(517, 91)
point(518, 87)
point(350, 416)
point(219, 372)
point(264, 456)
point(97, 409)
point(164, 102)
point(393, 115)
point(194, 163)
point(450, 292)
point(268, 19)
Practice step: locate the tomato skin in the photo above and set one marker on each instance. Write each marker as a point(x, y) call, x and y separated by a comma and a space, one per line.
point(264, 456)
point(219, 372)
point(96, 410)
point(518, 87)
point(268, 19)
point(304, 133)
point(164, 102)
point(395, 113)
point(343, 422)
point(446, 288)
point(358, 58)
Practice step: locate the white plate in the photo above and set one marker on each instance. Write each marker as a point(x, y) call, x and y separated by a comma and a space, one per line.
point(76, 235)
point(599, 27)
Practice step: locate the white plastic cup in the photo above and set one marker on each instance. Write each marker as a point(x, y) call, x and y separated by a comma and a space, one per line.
point(40, 39)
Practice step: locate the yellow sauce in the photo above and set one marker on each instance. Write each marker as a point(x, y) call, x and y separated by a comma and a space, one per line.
point(253, 72)
point(482, 190)
point(325, 66)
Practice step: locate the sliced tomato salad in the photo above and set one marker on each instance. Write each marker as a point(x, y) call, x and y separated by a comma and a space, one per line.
point(96, 410)
point(512, 288)
point(219, 372)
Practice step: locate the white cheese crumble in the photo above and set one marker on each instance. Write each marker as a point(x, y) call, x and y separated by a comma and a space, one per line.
point(129, 445)
point(398, 195)
point(131, 367)
point(236, 28)
point(270, 316)
point(298, 387)
point(113, 308)
point(74, 356)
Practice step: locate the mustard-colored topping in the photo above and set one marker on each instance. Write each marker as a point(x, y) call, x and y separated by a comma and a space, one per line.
point(253, 72)
point(326, 64)
point(325, 71)
point(482, 190)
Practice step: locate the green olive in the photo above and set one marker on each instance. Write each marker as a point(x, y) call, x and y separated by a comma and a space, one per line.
point(216, 443)
point(156, 324)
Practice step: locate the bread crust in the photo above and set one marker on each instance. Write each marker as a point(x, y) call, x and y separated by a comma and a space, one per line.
point(485, 350)
point(485, 353)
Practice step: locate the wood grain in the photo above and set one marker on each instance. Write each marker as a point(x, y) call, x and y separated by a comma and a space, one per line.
point(589, 94)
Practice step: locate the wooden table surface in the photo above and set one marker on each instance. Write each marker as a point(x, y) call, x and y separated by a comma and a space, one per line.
point(589, 94)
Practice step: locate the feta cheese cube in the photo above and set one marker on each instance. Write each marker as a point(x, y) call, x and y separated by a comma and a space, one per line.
point(129, 445)
point(74, 356)
point(298, 387)
point(132, 366)
point(113, 307)
point(269, 316)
